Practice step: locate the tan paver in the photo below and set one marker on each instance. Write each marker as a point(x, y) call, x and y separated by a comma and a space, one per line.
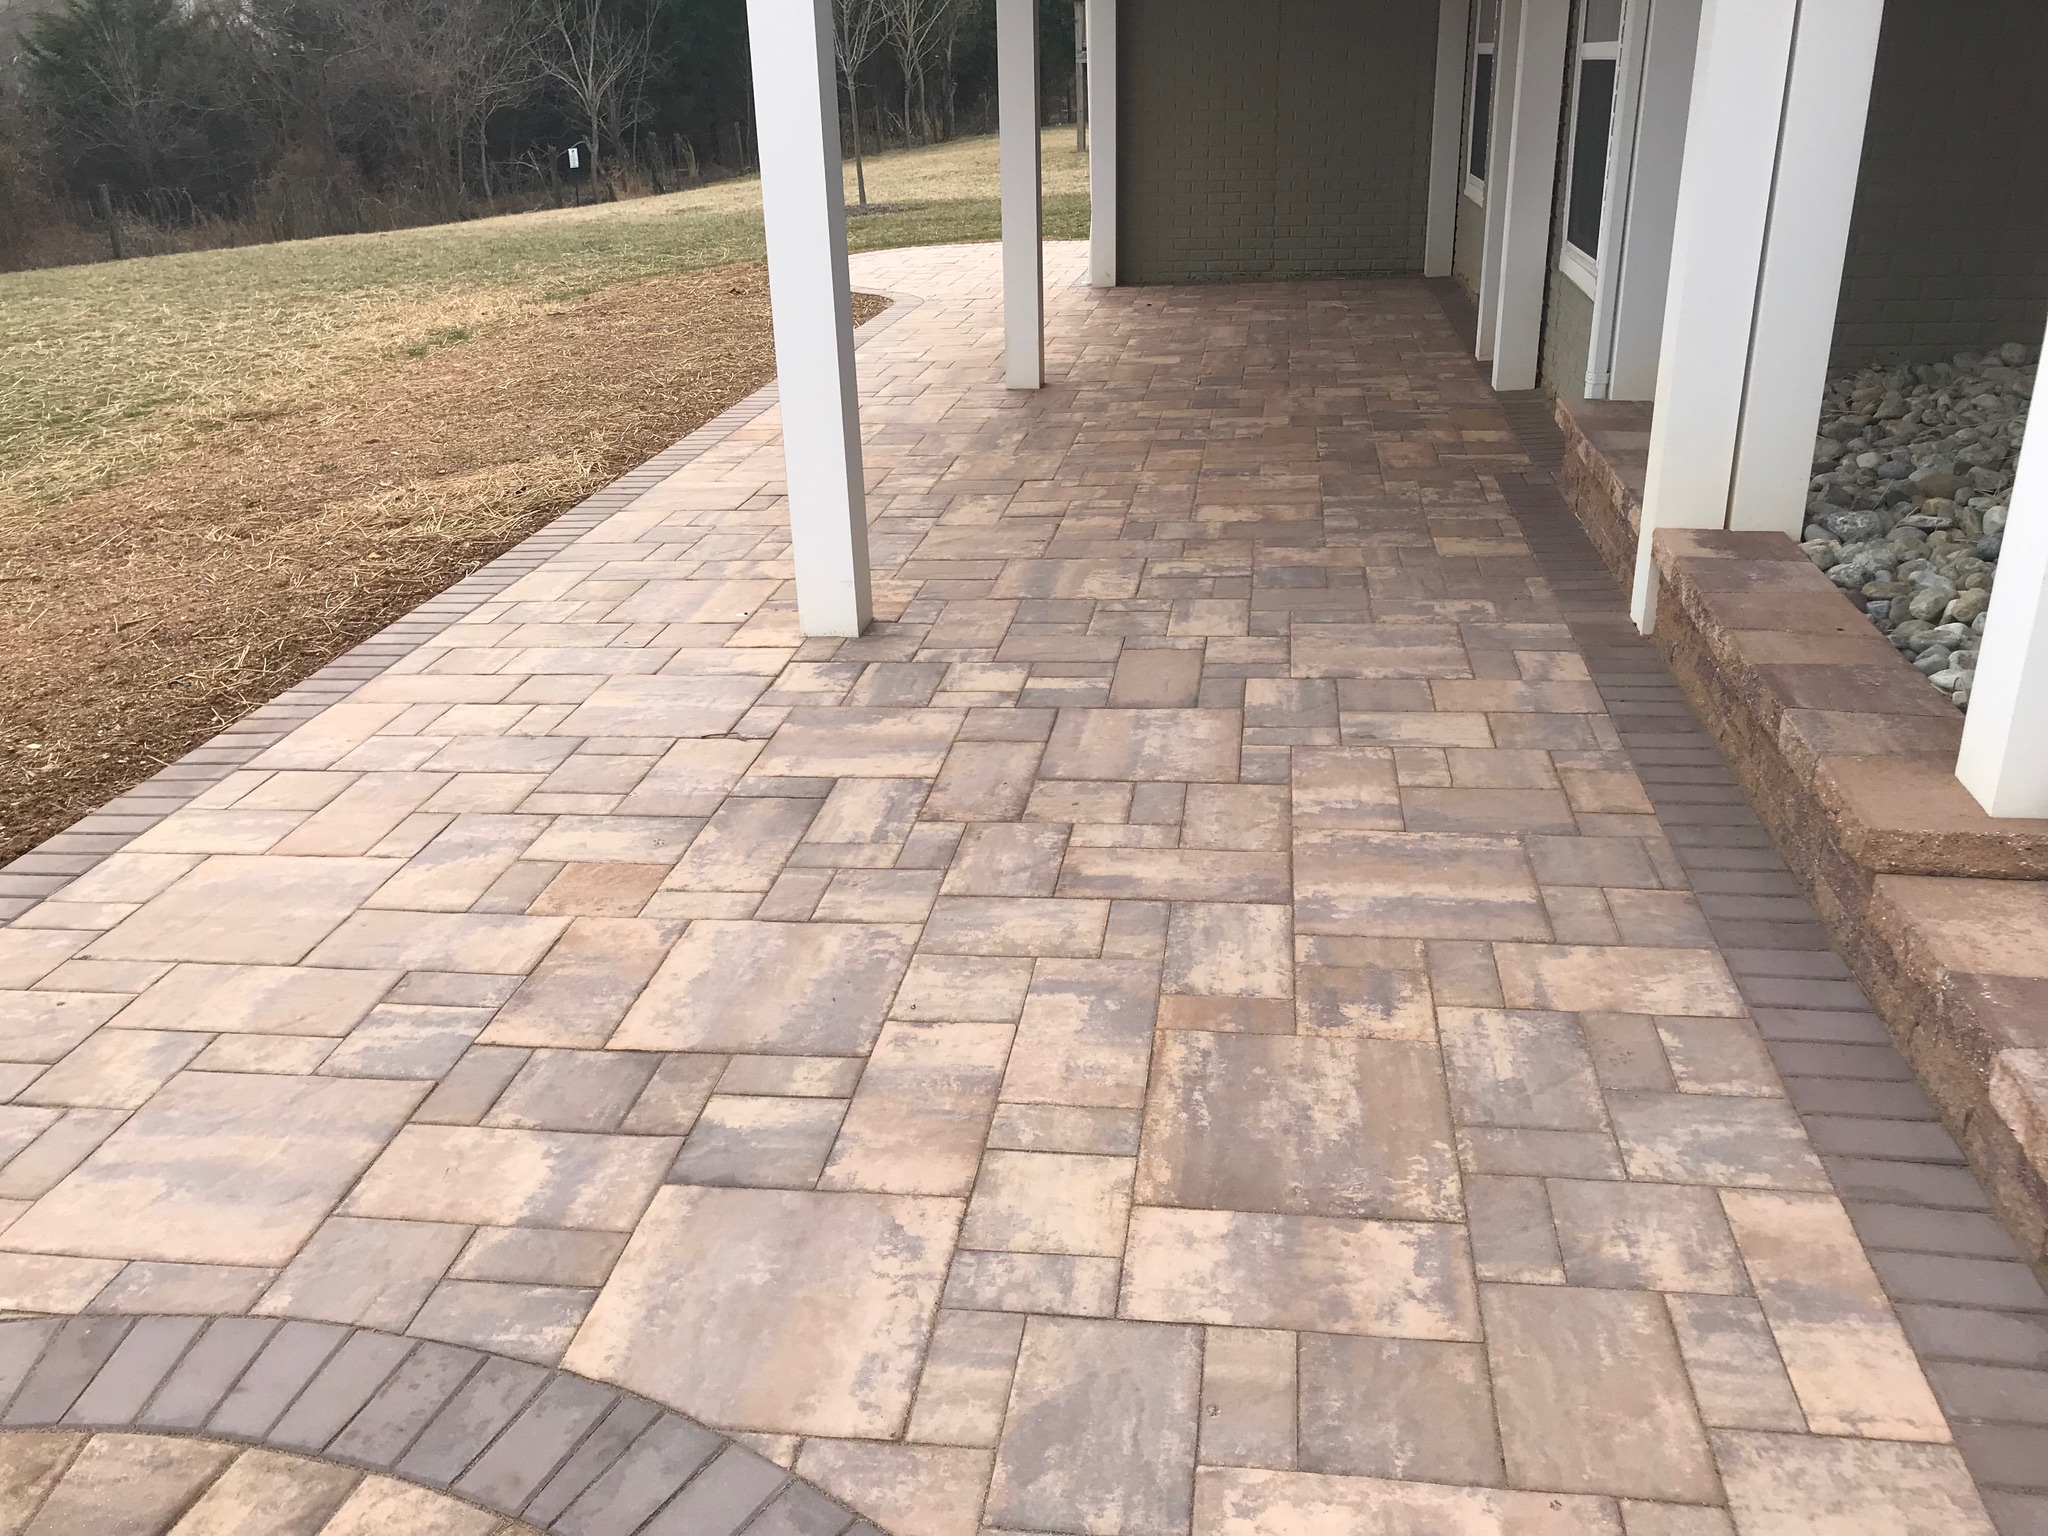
point(1191, 1025)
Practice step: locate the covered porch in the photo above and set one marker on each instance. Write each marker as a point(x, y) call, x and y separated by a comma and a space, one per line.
point(1243, 1000)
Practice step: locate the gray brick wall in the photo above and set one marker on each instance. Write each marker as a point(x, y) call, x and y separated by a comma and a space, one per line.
point(1567, 337)
point(1948, 249)
point(1272, 138)
point(1468, 249)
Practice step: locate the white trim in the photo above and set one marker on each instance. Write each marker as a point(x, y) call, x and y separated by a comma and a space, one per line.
point(1630, 337)
point(1820, 151)
point(1100, 28)
point(1586, 273)
point(1446, 141)
point(1579, 269)
point(1507, 32)
point(2004, 760)
point(1023, 202)
point(1530, 184)
point(803, 199)
point(1724, 198)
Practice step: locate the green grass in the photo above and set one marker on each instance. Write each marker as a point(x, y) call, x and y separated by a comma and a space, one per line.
point(106, 369)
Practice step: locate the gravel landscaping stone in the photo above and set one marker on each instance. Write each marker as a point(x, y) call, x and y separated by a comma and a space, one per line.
point(1912, 473)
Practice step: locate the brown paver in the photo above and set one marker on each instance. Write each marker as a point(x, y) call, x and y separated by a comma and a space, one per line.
point(1218, 1014)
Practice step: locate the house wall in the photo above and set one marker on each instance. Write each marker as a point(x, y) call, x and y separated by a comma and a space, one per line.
point(1567, 337)
point(1267, 139)
point(1948, 248)
point(1468, 250)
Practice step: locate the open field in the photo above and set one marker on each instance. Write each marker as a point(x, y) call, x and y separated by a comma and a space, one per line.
point(218, 470)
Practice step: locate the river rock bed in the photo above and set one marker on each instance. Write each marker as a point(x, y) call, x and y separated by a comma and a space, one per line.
point(1912, 473)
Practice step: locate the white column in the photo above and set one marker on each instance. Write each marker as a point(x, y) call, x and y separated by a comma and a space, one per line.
point(1102, 127)
point(803, 196)
point(1820, 152)
point(2004, 760)
point(1724, 204)
point(1773, 142)
point(1447, 126)
point(1506, 46)
point(1529, 190)
point(1628, 335)
point(1023, 207)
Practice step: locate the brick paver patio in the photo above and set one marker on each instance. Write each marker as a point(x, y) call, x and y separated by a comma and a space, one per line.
point(1194, 1023)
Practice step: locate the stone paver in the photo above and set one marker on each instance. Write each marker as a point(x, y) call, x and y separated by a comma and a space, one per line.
point(1242, 1003)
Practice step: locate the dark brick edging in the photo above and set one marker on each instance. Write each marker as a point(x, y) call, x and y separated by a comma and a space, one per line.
point(52, 864)
point(555, 1450)
point(1973, 1309)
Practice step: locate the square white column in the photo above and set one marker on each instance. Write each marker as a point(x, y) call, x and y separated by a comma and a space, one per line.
point(1447, 125)
point(803, 197)
point(1799, 287)
point(1101, 30)
point(1774, 141)
point(1527, 190)
point(1023, 202)
point(1507, 38)
point(2004, 760)
point(1629, 332)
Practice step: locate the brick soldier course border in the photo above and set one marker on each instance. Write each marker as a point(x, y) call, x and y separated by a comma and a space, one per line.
point(61, 859)
point(555, 1450)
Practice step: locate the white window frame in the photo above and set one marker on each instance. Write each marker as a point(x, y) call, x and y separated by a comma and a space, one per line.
point(1475, 186)
point(1583, 267)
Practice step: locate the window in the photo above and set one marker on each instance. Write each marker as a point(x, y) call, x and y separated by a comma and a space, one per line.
point(1479, 129)
point(1598, 64)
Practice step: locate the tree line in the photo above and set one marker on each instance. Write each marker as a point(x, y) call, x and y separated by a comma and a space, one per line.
point(173, 123)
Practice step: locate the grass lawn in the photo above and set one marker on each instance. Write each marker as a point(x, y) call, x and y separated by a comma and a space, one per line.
point(217, 470)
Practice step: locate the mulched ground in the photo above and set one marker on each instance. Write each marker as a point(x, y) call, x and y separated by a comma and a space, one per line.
point(138, 621)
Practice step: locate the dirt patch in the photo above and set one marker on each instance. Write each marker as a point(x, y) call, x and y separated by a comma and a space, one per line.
point(138, 621)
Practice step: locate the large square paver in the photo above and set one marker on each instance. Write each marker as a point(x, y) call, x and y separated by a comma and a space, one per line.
point(251, 909)
point(1379, 651)
point(1816, 1485)
point(1592, 1395)
point(1183, 746)
point(780, 1311)
point(664, 706)
point(1299, 1125)
point(1613, 979)
point(1408, 1408)
point(860, 744)
point(220, 1168)
point(491, 1177)
point(1388, 1279)
point(1231, 1501)
point(816, 988)
point(1100, 1436)
point(258, 1000)
point(1415, 885)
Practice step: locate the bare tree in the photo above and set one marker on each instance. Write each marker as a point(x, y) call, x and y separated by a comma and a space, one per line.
point(601, 59)
point(915, 30)
point(856, 34)
point(116, 63)
point(494, 66)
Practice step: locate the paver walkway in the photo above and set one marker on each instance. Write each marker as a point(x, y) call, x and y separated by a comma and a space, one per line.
point(1192, 1023)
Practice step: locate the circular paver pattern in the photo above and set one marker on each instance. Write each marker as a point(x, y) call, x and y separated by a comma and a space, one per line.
point(175, 1415)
